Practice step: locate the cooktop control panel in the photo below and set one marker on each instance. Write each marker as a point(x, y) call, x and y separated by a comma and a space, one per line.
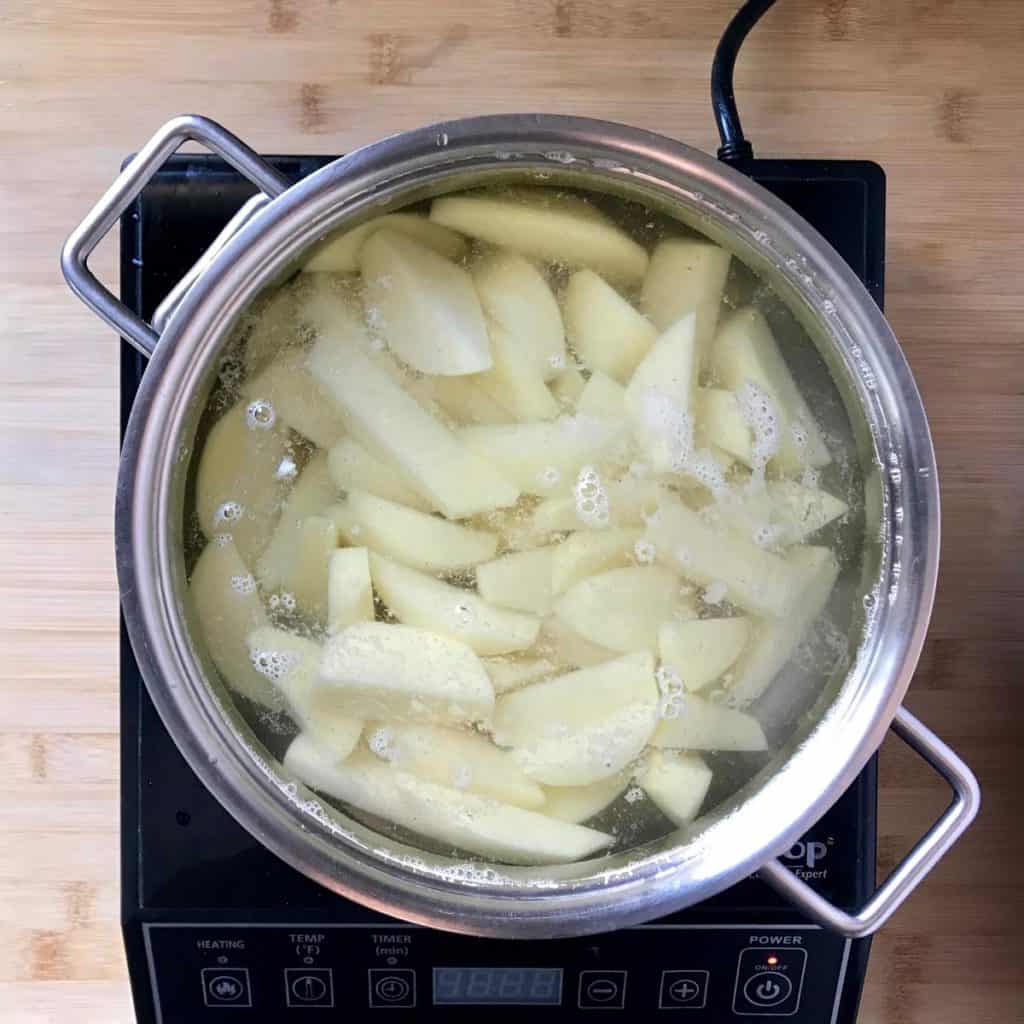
point(280, 972)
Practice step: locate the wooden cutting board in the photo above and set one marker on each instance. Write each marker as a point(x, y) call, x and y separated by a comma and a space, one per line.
point(931, 89)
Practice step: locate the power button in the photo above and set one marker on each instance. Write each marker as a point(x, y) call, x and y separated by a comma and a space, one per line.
point(769, 981)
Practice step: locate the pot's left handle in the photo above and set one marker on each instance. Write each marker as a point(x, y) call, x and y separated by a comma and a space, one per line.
point(131, 181)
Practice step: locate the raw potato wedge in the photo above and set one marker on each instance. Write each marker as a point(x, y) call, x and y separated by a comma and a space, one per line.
point(353, 467)
point(581, 727)
point(465, 402)
point(238, 484)
point(568, 385)
point(629, 501)
point(379, 671)
point(477, 824)
point(602, 397)
point(271, 325)
point(756, 580)
point(569, 649)
point(420, 600)
point(292, 664)
point(775, 642)
point(783, 512)
point(577, 804)
point(413, 538)
point(686, 275)
point(349, 589)
point(702, 725)
point(425, 306)
point(545, 226)
point(590, 552)
point(515, 295)
point(340, 255)
point(603, 328)
point(622, 609)
point(520, 580)
point(509, 674)
point(386, 419)
point(677, 783)
point(306, 579)
point(744, 350)
point(516, 382)
point(297, 399)
point(454, 757)
point(701, 650)
point(720, 422)
point(228, 608)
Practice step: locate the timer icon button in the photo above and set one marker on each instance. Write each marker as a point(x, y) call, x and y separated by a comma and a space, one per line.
point(392, 988)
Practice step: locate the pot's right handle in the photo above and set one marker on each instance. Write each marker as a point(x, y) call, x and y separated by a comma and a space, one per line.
point(131, 181)
point(928, 851)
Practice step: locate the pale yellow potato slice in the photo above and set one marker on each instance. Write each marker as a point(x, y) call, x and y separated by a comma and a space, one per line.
point(307, 578)
point(497, 831)
point(340, 254)
point(602, 396)
point(515, 382)
point(686, 275)
point(354, 467)
point(581, 727)
point(520, 580)
point(424, 305)
point(272, 325)
point(568, 385)
point(239, 484)
point(411, 537)
point(701, 650)
point(297, 399)
point(744, 350)
point(622, 608)
point(544, 458)
point(756, 580)
point(783, 512)
point(577, 804)
point(603, 328)
point(515, 295)
point(454, 757)
point(702, 725)
point(465, 401)
point(509, 674)
point(292, 664)
point(775, 642)
point(542, 224)
point(565, 646)
point(719, 421)
point(349, 589)
point(590, 552)
point(380, 671)
point(677, 783)
point(421, 600)
point(228, 607)
point(630, 500)
point(386, 419)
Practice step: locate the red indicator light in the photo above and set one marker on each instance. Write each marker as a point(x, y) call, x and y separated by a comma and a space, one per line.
point(772, 961)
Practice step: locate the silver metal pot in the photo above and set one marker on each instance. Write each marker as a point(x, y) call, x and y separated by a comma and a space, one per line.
point(767, 816)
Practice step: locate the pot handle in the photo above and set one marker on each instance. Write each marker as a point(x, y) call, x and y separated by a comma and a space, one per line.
point(910, 872)
point(129, 183)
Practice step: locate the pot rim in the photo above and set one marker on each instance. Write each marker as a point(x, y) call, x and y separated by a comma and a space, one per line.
point(785, 804)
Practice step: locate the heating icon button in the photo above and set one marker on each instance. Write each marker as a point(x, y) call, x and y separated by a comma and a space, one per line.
point(226, 986)
point(769, 981)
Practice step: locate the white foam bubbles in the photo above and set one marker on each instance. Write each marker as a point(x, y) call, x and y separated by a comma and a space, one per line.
point(243, 584)
point(274, 665)
point(593, 507)
point(228, 512)
point(260, 415)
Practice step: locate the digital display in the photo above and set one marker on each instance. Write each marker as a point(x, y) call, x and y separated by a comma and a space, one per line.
point(522, 986)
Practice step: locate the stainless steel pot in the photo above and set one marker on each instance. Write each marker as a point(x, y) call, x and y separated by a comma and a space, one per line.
point(749, 831)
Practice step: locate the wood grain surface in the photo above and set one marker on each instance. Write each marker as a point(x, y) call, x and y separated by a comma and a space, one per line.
point(931, 89)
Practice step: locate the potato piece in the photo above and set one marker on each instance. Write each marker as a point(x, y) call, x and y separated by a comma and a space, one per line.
point(720, 422)
point(238, 485)
point(622, 609)
point(603, 328)
point(509, 674)
point(307, 578)
point(702, 649)
point(629, 501)
point(569, 649)
point(677, 783)
point(590, 552)
point(702, 725)
point(480, 825)
point(353, 467)
point(603, 397)
point(542, 224)
point(424, 305)
point(292, 664)
point(775, 642)
point(568, 385)
point(516, 382)
point(520, 580)
point(420, 600)
point(453, 757)
point(375, 670)
point(744, 350)
point(580, 727)
point(349, 590)
point(544, 458)
point(783, 512)
point(297, 399)
point(577, 804)
point(686, 275)
point(340, 255)
point(466, 402)
point(515, 295)
point(410, 537)
point(386, 419)
point(228, 608)
point(271, 323)
point(756, 580)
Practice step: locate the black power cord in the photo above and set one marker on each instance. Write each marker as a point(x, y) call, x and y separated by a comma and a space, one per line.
point(735, 148)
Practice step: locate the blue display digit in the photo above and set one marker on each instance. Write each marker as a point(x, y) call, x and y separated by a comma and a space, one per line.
point(511, 987)
point(544, 986)
point(448, 985)
point(480, 985)
point(483, 986)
